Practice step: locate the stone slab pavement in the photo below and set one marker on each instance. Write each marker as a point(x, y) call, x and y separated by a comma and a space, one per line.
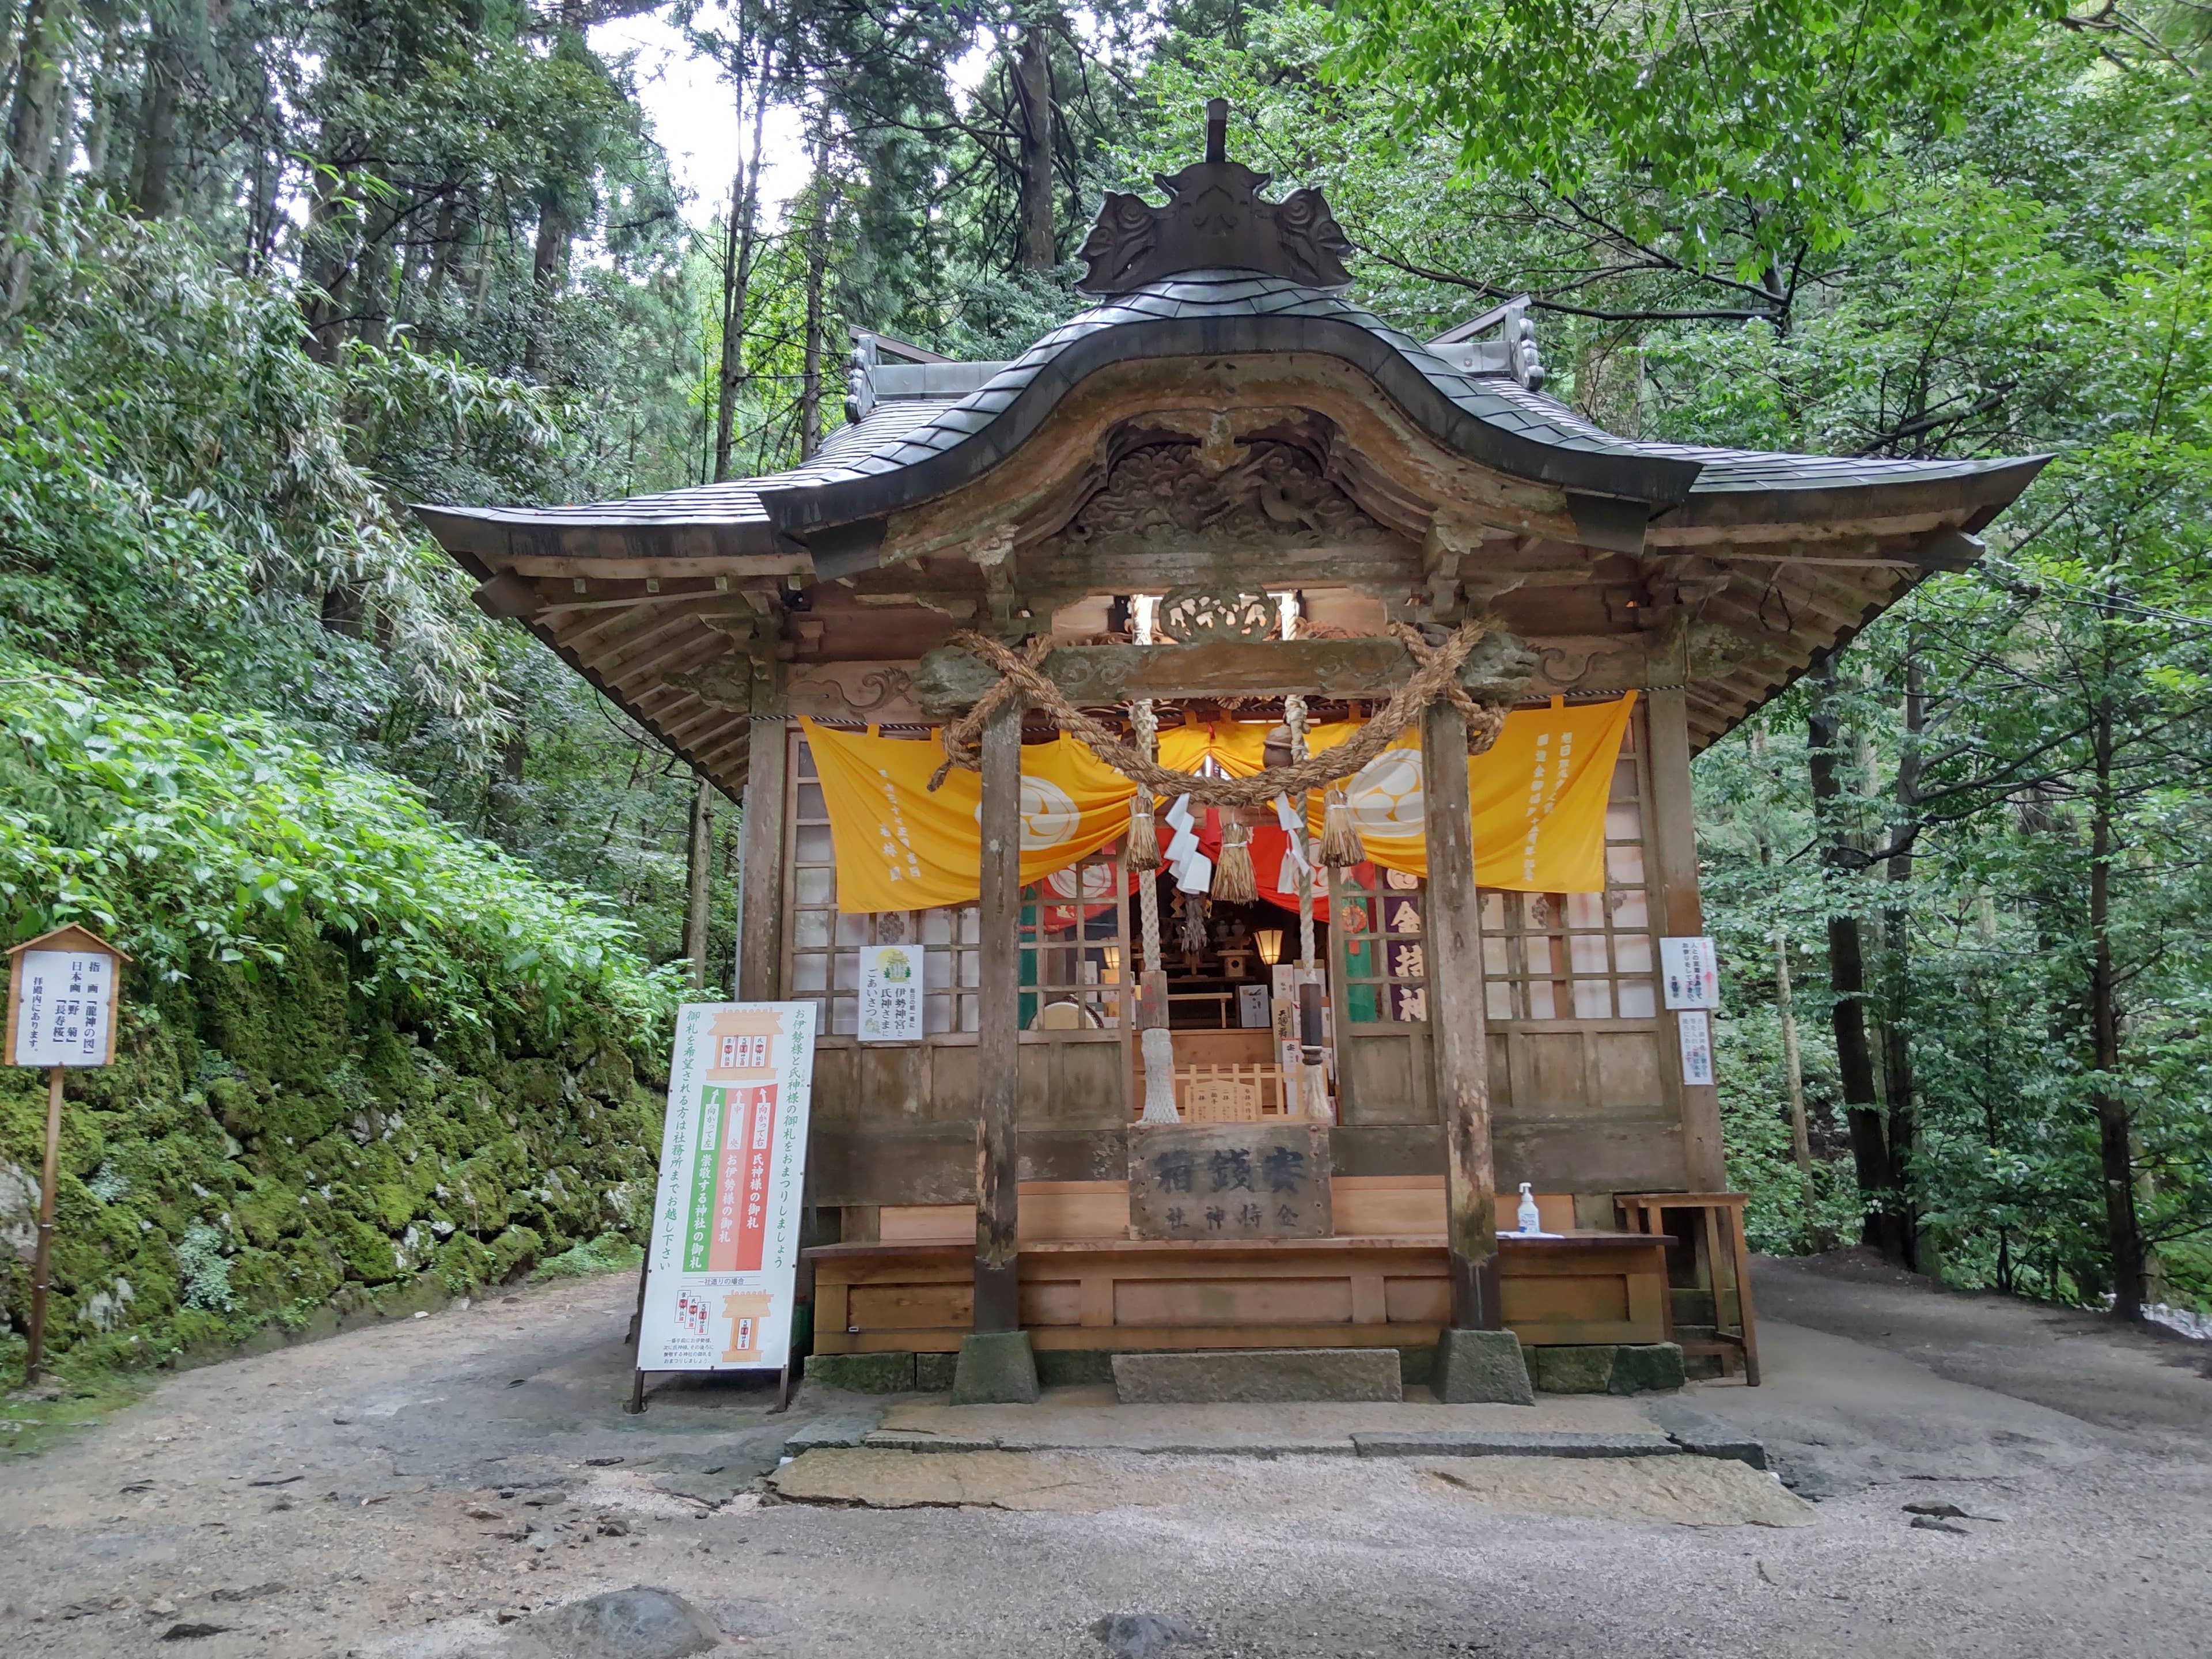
point(1990, 1478)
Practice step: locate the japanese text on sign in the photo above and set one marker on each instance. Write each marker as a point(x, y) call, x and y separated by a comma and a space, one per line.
point(67, 1003)
point(891, 982)
point(722, 1267)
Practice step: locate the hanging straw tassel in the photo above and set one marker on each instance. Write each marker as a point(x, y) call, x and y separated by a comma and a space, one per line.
point(1233, 880)
point(1340, 846)
point(1193, 908)
point(1143, 839)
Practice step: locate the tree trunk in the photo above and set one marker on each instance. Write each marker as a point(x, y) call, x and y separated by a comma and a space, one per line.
point(817, 265)
point(549, 265)
point(150, 192)
point(1793, 1065)
point(738, 243)
point(698, 864)
point(1847, 979)
point(2123, 1225)
point(34, 120)
point(1032, 80)
point(1897, 952)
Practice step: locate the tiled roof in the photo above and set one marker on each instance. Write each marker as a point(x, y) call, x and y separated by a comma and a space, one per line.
point(908, 449)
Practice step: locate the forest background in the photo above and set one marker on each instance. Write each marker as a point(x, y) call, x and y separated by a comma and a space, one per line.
point(269, 270)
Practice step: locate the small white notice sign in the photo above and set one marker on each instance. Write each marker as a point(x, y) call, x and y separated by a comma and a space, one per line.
point(1252, 1013)
point(65, 1007)
point(1691, 971)
point(891, 978)
point(1697, 1029)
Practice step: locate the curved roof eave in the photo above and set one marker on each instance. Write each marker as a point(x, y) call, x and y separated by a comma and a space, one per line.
point(1013, 406)
point(910, 451)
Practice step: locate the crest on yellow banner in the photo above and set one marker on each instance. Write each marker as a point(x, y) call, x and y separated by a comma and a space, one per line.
point(1538, 799)
point(899, 847)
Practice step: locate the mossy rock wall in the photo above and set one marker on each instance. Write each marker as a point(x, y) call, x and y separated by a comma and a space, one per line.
point(270, 1144)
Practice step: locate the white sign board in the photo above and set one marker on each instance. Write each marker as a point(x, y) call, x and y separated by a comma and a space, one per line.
point(891, 978)
point(1252, 1007)
point(65, 1008)
point(1692, 972)
point(1697, 1029)
point(723, 1265)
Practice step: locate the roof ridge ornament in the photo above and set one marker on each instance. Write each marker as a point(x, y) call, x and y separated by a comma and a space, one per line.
point(1214, 219)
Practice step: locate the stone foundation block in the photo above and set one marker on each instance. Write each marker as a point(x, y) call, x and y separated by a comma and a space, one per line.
point(1268, 1376)
point(996, 1368)
point(1074, 1368)
point(1481, 1368)
point(1646, 1367)
point(1573, 1370)
point(862, 1373)
point(933, 1372)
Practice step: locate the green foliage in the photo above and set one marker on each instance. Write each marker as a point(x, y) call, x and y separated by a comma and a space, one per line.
point(1776, 110)
point(191, 837)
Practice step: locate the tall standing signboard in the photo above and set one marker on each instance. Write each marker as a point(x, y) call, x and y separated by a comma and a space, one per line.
point(722, 1269)
point(62, 992)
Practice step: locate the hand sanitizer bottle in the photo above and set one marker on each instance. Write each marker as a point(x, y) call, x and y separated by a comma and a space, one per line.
point(1531, 1220)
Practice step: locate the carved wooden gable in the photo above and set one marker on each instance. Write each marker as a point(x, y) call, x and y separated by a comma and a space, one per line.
point(1259, 496)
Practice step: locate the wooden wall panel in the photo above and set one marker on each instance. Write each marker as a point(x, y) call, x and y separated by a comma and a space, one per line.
point(1051, 1302)
point(1592, 1298)
point(1387, 1076)
point(1221, 1299)
point(953, 1080)
point(1086, 1085)
point(1378, 1149)
point(1601, 1157)
point(836, 1097)
point(1628, 1067)
point(1049, 1210)
point(1550, 1074)
point(891, 1082)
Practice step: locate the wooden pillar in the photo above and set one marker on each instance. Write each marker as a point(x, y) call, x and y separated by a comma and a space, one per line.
point(997, 1041)
point(760, 923)
point(1675, 836)
point(1459, 1021)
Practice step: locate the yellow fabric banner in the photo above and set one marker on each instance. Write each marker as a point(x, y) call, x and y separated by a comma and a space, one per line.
point(1536, 798)
point(901, 848)
point(1239, 747)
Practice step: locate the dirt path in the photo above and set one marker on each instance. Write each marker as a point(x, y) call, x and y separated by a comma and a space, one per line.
point(370, 1494)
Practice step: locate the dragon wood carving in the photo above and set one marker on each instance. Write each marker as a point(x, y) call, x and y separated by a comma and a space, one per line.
point(1270, 495)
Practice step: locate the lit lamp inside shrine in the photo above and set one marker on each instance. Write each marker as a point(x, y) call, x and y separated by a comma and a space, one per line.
point(1110, 956)
point(1270, 941)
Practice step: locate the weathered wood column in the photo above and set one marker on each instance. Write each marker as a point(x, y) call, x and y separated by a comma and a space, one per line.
point(997, 1041)
point(1674, 831)
point(760, 920)
point(1459, 1023)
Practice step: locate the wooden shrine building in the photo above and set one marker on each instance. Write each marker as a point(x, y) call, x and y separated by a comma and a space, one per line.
point(1226, 515)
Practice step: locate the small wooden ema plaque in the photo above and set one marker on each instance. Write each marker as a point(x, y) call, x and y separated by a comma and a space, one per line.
point(1229, 1181)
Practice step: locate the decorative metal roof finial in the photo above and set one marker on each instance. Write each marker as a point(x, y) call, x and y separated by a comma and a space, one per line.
point(1215, 219)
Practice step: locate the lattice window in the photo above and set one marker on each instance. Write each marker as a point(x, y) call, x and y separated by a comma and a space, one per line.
point(1075, 947)
point(821, 962)
point(1580, 956)
point(1545, 956)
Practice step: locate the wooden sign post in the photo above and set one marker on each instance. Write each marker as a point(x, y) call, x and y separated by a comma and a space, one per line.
point(63, 989)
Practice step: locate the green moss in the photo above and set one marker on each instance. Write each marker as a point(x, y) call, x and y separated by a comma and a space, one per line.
point(269, 1144)
point(513, 1250)
point(608, 1253)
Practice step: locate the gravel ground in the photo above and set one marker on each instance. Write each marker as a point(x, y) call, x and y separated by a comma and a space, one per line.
point(391, 1493)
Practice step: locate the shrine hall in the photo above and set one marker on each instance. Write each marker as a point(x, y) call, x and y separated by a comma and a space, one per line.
point(1274, 731)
